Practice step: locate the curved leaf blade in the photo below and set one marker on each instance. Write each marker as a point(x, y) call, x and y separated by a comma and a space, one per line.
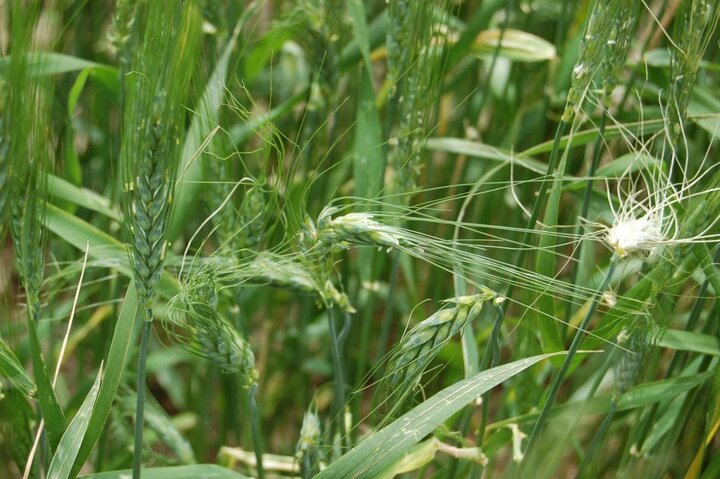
point(195, 471)
point(67, 450)
point(384, 447)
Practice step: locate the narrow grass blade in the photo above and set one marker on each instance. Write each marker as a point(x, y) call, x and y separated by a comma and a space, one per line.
point(545, 264)
point(357, 12)
point(64, 190)
point(711, 429)
point(476, 149)
point(195, 471)
point(368, 159)
point(116, 359)
point(368, 162)
point(47, 63)
point(381, 449)
point(637, 397)
point(55, 422)
point(690, 341)
point(67, 450)
point(80, 233)
point(582, 138)
point(12, 370)
point(103, 247)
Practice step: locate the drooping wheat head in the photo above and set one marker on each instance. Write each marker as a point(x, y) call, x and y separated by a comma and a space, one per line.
point(411, 356)
point(195, 322)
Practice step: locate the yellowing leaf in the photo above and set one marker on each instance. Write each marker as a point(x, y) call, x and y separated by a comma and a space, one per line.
point(514, 44)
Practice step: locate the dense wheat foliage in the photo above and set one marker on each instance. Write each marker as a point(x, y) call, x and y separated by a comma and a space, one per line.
point(359, 239)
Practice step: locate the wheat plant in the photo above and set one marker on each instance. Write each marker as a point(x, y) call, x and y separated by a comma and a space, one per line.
point(362, 239)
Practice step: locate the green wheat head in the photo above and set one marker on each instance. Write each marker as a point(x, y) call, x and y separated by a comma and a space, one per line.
point(195, 322)
point(415, 68)
point(122, 28)
point(153, 125)
point(411, 356)
point(695, 26)
point(607, 18)
point(29, 153)
point(618, 44)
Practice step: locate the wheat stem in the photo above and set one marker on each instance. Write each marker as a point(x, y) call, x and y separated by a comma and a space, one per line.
point(335, 347)
point(597, 438)
point(537, 206)
point(579, 334)
point(585, 208)
point(676, 358)
point(140, 404)
point(494, 348)
point(256, 430)
point(387, 321)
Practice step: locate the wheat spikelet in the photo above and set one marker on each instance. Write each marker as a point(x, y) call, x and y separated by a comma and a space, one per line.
point(322, 27)
point(253, 218)
point(279, 271)
point(150, 205)
point(28, 155)
point(353, 229)
point(319, 240)
point(28, 232)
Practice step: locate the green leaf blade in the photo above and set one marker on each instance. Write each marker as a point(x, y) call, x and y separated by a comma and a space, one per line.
point(67, 450)
point(384, 447)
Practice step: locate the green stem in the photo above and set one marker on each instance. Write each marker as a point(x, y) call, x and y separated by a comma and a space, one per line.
point(491, 355)
point(537, 206)
point(256, 432)
point(579, 335)
point(387, 321)
point(585, 208)
point(676, 358)
point(534, 215)
point(140, 404)
point(496, 54)
point(560, 32)
point(338, 366)
point(365, 327)
point(597, 439)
